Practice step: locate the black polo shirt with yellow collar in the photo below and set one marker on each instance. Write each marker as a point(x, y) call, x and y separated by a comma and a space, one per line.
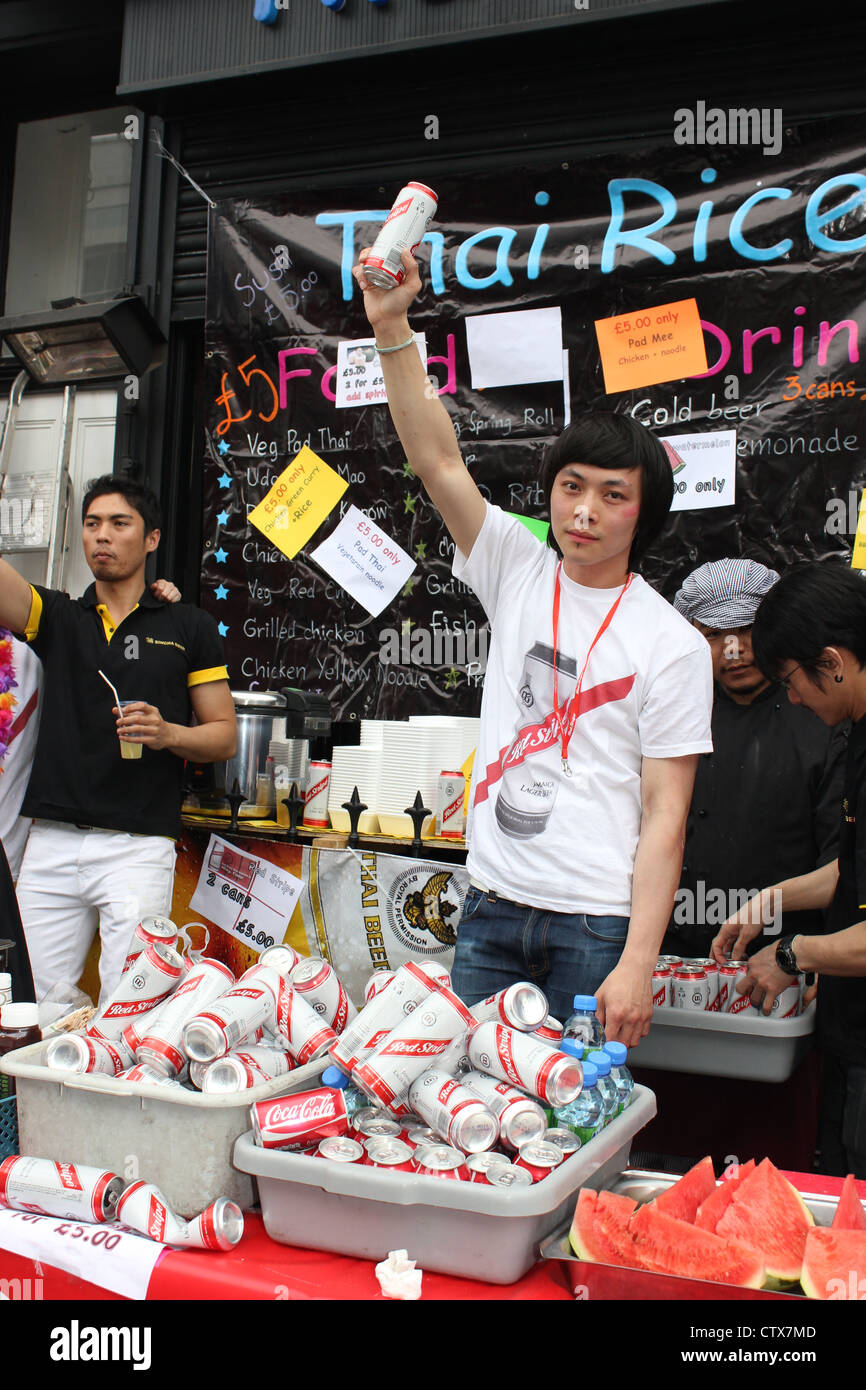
point(156, 654)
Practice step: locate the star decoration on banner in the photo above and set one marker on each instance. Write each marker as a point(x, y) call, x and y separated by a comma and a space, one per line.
point(409, 504)
point(407, 471)
point(223, 630)
point(408, 624)
point(221, 591)
point(409, 586)
point(223, 447)
point(221, 556)
point(421, 550)
point(451, 679)
point(224, 480)
point(222, 518)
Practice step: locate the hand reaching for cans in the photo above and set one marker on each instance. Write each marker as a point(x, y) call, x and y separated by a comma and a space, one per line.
point(764, 980)
point(625, 1004)
point(734, 935)
point(388, 306)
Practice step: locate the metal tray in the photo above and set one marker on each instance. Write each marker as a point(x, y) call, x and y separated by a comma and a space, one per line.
point(616, 1282)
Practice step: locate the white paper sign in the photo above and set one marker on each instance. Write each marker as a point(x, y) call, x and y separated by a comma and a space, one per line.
point(101, 1253)
point(249, 898)
point(515, 348)
point(707, 474)
point(359, 378)
point(365, 561)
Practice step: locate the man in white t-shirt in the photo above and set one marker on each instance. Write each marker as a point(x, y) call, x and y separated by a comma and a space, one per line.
point(597, 701)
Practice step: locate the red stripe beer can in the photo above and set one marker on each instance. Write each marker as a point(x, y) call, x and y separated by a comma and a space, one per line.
point(305, 1034)
point(552, 1076)
point(539, 1159)
point(458, 1116)
point(521, 1006)
point(711, 970)
point(70, 1190)
point(550, 1032)
point(479, 1165)
point(690, 988)
point(143, 1207)
point(409, 1049)
point(379, 980)
point(230, 1019)
point(245, 1068)
point(786, 1003)
point(316, 796)
point(661, 986)
point(521, 1119)
point(340, 1150)
point(404, 227)
point(441, 1161)
point(160, 1045)
point(149, 980)
point(730, 1001)
point(319, 985)
point(389, 1153)
point(143, 1074)
point(450, 816)
point(96, 1056)
point(409, 986)
point(300, 1120)
point(150, 929)
point(282, 958)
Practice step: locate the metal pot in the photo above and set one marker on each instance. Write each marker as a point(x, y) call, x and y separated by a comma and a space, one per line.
point(261, 716)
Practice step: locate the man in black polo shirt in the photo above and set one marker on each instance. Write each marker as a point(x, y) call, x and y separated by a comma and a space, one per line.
point(101, 847)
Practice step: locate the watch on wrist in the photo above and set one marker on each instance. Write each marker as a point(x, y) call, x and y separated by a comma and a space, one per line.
point(785, 958)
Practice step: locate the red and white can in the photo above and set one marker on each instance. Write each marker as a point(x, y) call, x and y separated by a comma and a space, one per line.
point(787, 1002)
point(340, 1150)
point(512, 1176)
point(458, 1116)
point(711, 971)
point(539, 1159)
point(78, 1053)
point(521, 1006)
point(150, 929)
point(143, 1074)
point(554, 1077)
point(282, 958)
point(479, 1165)
point(404, 227)
point(729, 1000)
point(409, 986)
point(160, 1045)
point(662, 978)
point(305, 1034)
point(379, 980)
point(450, 815)
point(385, 1152)
point(317, 982)
point(564, 1139)
point(301, 1120)
point(441, 1161)
point(521, 1119)
point(143, 1207)
point(419, 1136)
point(149, 980)
point(70, 1190)
point(409, 1049)
point(316, 796)
point(690, 988)
point(550, 1032)
point(370, 1123)
point(244, 1069)
point(233, 1017)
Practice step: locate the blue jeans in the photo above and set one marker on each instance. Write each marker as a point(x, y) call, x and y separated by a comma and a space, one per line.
point(499, 942)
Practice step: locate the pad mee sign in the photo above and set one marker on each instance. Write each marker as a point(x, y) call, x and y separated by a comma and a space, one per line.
point(517, 270)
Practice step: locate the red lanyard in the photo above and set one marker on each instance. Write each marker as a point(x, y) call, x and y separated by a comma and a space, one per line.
point(566, 726)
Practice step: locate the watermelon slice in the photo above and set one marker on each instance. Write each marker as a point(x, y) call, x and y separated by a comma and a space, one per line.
point(670, 1246)
point(683, 1199)
point(600, 1229)
point(850, 1215)
point(711, 1211)
point(834, 1264)
point(769, 1215)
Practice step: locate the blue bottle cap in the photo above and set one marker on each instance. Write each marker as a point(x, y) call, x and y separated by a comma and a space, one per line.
point(617, 1052)
point(590, 1075)
point(586, 1001)
point(333, 1077)
point(572, 1047)
point(600, 1061)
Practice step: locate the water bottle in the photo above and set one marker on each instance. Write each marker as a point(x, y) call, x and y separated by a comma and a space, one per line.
point(620, 1073)
point(585, 1115)
point(607, 1087)
point(338, 1081)
point(583, 1026)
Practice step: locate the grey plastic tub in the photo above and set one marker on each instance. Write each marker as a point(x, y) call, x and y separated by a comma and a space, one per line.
point(746, 1046)
point(180, 1140)
point(451, 1227)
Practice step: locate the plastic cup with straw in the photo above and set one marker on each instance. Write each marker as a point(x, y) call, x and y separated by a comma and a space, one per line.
point(127, 749)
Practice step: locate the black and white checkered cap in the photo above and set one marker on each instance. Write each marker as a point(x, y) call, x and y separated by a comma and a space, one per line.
point(725, 593)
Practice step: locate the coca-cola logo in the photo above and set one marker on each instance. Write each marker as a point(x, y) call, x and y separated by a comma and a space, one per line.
point(306, 1109)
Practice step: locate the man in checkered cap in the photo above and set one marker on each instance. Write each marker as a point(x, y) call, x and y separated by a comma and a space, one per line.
point(766, 801)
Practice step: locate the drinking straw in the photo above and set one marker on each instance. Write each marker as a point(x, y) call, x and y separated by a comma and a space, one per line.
point(111, 688)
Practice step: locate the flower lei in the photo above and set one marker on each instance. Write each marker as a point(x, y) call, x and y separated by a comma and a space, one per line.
point(7, 684)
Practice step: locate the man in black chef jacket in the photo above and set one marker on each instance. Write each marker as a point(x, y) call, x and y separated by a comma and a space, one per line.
point(766, 801)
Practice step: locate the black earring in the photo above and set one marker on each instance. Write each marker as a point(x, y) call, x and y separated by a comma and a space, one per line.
point(838, 680)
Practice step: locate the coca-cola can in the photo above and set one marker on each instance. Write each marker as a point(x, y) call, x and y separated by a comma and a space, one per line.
point(552, 1076)
point(412, 1047)
point(711, 970)
point(161, 1044)
point(550, 1032)
point(78, 1053)
point(404, 227)
point(450, 815)
point(729, 1000)
point(521, 1006)
point(690, 988)
point(521, 1119)
point(479, 1165)
point(386, 1152)
point(564, 1139)
point(72, 1190)
point(662, 978)
point(316, 796)
point(306, 1035)
point(150, 929)
point(369, 1123)
point(340, 1150)
point(441, 1161)
point(152, 976)
point(419, 1136)
point(319, 985)
point(512, 1176)
point(409, 986)
point(379, 980)
point(243, 1069)
point(459, 1117)
point(301, 1120)
point(539, 1159)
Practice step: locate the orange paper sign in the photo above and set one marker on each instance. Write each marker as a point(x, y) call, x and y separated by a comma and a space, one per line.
point(647, 346)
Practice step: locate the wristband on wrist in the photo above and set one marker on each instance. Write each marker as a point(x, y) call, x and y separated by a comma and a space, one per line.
point(397, 347)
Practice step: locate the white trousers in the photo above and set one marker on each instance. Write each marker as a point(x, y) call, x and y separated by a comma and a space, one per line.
point(73, 881)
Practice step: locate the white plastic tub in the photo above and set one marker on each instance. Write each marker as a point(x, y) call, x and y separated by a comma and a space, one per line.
point(180, 1140)
point(746, 1046)
point(457, 1228)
